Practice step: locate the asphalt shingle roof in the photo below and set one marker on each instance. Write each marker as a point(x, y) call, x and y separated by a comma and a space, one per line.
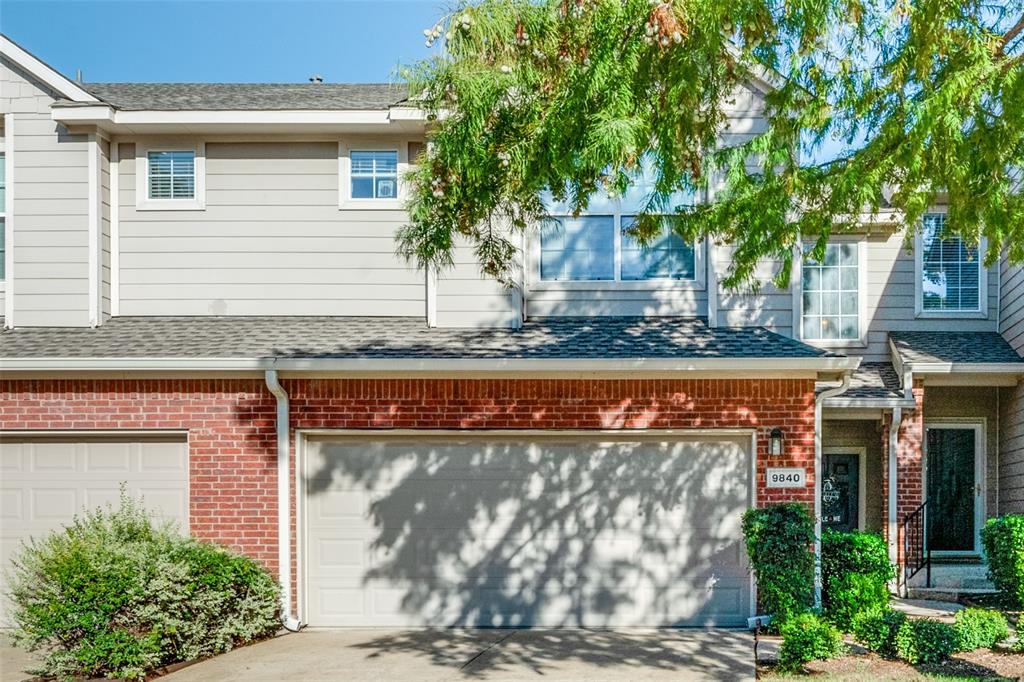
point(247, 96)
point(874, 380)
point(958, 347)
point(369, 337)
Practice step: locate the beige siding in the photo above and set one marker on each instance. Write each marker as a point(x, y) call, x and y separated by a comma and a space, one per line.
point(466, 298)
point(271, 241)
point(1011, 400)
point(763, 305)
point(51, 252)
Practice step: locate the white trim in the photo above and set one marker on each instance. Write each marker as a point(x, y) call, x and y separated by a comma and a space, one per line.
point(9, 220)
point(862, 473)
point(142, 200)
point(862, 297)
point(94, 209)
point(345, 200)
point(115, 229)
point(722, 366)
point(878, 403)
point(979, 426)
point(712, 282)
point(430, 287)
point(43, 71)
point(966, 367)
point(891, 471)
point(108, 117)
point(981, 313)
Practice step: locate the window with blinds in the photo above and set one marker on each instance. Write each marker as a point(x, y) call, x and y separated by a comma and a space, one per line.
point(172, 174)
point(950, 269)
point(374, 174)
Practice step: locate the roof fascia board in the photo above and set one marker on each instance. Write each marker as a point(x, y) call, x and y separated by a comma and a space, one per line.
point(925, 368)
point(105, 114)
point(43, 71)
point(723, 365)
point(879, 403)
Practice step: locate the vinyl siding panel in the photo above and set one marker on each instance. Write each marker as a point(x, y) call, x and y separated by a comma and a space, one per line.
point(466, 298)
point(1011, 400)
point(104, 229)
point(763, 305)
point(51, 208)
point(271, 241)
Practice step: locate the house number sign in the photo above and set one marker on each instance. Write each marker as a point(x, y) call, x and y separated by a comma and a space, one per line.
point(787, 477)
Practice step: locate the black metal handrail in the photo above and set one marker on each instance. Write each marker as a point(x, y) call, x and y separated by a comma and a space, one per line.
point(917, 554)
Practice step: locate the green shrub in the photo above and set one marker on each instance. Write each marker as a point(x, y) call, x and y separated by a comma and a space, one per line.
point(1004, 546)
point(925, 641)
point(780, 544)
point(855, 572)
point(980, 629)
point(115, 594)
point(877, 630)
point(807, 637)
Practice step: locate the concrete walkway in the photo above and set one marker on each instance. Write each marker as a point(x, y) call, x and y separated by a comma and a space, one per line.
point(927, 608)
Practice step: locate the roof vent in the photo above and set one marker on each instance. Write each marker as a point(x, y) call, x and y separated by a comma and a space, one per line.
point(316, 78)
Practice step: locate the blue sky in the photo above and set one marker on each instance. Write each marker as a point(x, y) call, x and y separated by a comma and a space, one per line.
point(222, 40)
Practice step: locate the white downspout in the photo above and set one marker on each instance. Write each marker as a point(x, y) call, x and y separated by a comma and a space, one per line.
point(284, 527)
point(832, 391)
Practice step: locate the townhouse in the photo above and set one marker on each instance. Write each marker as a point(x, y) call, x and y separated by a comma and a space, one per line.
point(202, 302)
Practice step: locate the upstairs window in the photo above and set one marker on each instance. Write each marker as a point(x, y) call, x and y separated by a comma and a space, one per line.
point(374, 174)
point(172, 174)
point(951, 271)
point(831, 294)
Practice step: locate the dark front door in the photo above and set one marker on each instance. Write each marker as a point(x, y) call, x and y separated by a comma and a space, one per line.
point(951, 489)
point(840, 492)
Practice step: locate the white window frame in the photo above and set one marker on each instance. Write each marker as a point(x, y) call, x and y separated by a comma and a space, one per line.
point(862, 295)
point(345, 200)
point(981, 313)
point(142, 200)
point(699, 281)
point(3, 215)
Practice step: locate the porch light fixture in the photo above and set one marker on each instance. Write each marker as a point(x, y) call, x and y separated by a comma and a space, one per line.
point(775, 442)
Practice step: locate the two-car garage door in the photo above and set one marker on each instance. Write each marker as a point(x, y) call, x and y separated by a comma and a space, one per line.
point(507, 530)
point(46, 481)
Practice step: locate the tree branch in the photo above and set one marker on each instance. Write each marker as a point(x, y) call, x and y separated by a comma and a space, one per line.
point(1010, 35)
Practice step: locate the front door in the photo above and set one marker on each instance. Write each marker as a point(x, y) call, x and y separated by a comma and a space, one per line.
point(954, 490)
point(840, 492)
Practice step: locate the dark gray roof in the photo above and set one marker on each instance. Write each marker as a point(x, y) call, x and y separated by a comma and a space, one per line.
point(874, 380)
point(959, 347)
point(377, 337)
point(243, 96)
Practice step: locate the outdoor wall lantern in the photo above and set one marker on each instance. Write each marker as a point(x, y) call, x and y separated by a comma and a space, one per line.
point(775, 442)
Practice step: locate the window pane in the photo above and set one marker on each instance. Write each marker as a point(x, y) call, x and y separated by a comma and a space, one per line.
point(667, 256)
point(374, 174)
point(386, 188)
point(362, 188)
point(172, 175)
point(831, 295)
point(578, 249)
point(950, 269)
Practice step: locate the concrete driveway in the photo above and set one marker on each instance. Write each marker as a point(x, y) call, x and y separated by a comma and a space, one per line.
point(486, 655)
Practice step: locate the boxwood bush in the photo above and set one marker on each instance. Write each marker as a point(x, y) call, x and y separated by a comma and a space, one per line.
point(925, 641)
point(877, 630)
point(1003, 539)
point(116, 594)
point(780, 544)
point(807, 637)
point(980, 629)
point(855, 572)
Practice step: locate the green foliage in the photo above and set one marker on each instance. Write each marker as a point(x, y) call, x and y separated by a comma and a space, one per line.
point(807, 637)
point(780, 544)
point(925, 641)
point(925, 99)
point(877, 630)
point(855, 573)
point(980, 629)
point(1003, 538)
point(115, 594)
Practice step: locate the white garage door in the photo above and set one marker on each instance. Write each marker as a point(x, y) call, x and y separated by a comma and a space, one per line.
point(44, 482)
point(554, 531)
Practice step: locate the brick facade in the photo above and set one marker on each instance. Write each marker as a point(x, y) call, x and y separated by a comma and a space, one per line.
point(231, 428)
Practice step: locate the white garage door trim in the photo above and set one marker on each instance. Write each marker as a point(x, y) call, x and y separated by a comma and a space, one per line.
point(302, 437)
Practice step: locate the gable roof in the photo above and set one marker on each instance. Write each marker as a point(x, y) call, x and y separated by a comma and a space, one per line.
point(245, 342)
point(248, 96)
point(44, 72)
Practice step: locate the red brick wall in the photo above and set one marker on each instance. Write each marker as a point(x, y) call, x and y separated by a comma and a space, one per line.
point(910, 462)
point(232, 443)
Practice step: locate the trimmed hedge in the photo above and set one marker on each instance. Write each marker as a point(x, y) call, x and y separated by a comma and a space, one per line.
point(116, 595)
point(1003, 539)
point(925, 641)
point(780, 544)
point(807, 637)
point(855, 572)
point(877, 630)
point(980, 629)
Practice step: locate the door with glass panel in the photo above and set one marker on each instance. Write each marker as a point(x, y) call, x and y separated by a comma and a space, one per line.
point(954, 480)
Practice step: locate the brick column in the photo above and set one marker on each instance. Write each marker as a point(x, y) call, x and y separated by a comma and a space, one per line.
point(910, 460)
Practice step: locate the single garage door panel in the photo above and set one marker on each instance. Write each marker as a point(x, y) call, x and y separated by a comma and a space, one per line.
point(46, 481)
point(547, 532)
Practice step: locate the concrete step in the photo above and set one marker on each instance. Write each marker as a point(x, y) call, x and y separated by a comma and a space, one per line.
point(955, 576)
point(946, 594)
